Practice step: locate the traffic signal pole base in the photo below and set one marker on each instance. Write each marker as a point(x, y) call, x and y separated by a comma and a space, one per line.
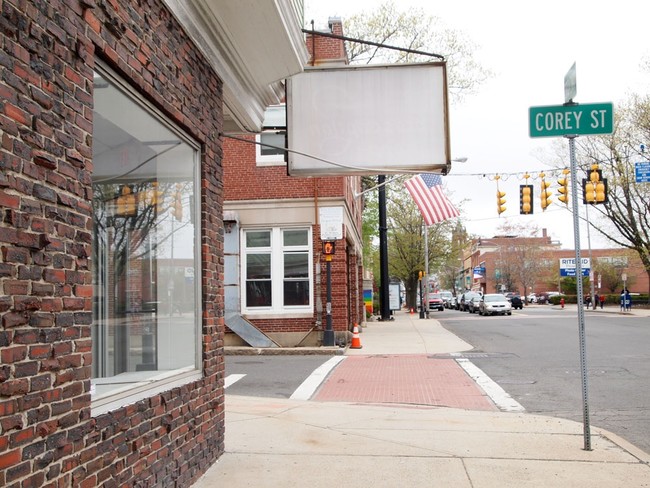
point(328, 338)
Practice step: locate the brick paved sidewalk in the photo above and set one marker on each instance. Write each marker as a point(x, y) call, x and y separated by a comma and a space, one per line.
point(410, 379)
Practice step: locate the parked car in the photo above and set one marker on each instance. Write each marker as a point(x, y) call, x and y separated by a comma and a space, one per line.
point(453, 303)
point(473, 304)
point(532, 298)
point(465, 298)
point(494, 304)
point(516, 302)
point(510, 294)
point(435, 302)
point(446, 298)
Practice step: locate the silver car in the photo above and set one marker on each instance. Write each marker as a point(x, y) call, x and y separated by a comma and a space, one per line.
point(494, 304)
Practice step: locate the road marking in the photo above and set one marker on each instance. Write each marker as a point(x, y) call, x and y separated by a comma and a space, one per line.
point(314, 380)
point(232, 378)
point(498, 395)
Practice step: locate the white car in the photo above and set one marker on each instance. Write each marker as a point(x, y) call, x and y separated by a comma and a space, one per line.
point(532, 298)
point(494, 304)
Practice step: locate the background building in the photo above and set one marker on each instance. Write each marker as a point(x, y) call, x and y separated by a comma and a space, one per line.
point(275, 270)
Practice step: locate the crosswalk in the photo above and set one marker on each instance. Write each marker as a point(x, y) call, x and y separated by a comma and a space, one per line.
point(231, 379)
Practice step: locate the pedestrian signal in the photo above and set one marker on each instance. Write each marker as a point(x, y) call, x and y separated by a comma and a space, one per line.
point(525, 199)
point(329, 248)
point(563, 190)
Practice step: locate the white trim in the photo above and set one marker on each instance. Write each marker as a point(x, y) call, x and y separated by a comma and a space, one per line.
point(498, 395)
point(277, 250)
point(267, 160)
point(314, 380)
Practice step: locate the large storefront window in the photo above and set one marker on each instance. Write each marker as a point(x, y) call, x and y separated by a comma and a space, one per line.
point(145, 254)
point(277, 273)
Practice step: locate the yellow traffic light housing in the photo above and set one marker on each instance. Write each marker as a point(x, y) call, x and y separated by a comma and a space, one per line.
point(501, 198)
point(525, 199)
point(563, 190)
point(177, 206)
point(545, 195)
point(595, 188)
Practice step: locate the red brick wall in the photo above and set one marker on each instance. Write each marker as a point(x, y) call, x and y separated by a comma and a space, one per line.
point(47, 435)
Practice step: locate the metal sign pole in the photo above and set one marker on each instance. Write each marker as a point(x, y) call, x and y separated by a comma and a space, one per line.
point(328, 333)
point(579, 293)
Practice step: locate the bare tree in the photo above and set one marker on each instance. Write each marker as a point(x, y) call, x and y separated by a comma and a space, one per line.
point(625, 218)
point(416, 30)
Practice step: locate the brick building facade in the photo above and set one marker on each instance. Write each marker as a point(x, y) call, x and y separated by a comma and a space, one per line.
point(488, 254)
point(261, 198)
point(110, 178)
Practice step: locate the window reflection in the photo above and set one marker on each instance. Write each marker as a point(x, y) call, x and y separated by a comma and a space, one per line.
point(144, 253)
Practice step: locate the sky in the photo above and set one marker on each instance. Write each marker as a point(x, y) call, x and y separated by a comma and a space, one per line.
point(529, 47)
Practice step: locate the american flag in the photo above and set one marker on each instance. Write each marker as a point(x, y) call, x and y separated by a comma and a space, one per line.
point(426, 190)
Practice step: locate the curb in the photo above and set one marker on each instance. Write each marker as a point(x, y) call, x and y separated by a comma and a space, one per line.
point(284, 351)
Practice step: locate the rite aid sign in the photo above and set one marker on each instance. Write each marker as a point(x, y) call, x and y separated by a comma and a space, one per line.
point(568, 266)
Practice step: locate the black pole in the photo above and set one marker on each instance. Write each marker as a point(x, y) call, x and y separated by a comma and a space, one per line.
point(384, 304)
point(328, 333)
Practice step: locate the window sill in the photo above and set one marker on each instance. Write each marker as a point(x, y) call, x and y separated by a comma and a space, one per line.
point(289, 314)
point(117, 391)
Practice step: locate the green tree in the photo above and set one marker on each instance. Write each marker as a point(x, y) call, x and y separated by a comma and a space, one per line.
point(406, 253)
point(625, 218)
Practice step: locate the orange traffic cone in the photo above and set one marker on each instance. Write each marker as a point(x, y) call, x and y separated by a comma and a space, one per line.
point(356, 341)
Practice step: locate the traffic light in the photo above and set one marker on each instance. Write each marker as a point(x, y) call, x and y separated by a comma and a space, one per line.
point(525, 199)
point(126, 202)
point(177, 206)
point(545, 194)
point(563, 190)
point(595, 188)
point(501, 202)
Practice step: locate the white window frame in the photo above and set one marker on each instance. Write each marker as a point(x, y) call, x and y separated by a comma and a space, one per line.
point(266, 159)
point(277, 251)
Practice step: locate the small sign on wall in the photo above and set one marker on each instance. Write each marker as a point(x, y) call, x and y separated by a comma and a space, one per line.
point(331, 223)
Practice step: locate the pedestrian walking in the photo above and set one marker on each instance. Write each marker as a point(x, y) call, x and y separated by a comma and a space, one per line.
point(596, 301)
point(602, 301)
point(628, 301)
point(622, 298)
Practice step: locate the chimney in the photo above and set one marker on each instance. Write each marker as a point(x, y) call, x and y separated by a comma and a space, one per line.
point(544, 233)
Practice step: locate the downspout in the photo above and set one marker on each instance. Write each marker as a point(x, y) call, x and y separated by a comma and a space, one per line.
point(318, 290)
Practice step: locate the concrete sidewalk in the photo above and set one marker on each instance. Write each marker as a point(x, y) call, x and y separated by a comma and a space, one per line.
point(276, 442)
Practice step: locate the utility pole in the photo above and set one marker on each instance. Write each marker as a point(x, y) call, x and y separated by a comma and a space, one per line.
point(384, 304)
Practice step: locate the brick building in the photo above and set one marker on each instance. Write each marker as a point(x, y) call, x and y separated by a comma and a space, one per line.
point(111, 228)
point(275, 271)
point(484, 268)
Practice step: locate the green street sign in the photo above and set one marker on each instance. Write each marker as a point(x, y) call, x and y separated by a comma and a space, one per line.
point(569, 120)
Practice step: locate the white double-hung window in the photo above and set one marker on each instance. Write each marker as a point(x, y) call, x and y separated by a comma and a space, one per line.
point(276, 270)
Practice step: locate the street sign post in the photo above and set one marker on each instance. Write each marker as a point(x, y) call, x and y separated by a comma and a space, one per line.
point(570, 85)
point(571, 120)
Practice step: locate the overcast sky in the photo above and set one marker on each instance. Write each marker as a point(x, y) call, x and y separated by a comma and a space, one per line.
point(529, 47)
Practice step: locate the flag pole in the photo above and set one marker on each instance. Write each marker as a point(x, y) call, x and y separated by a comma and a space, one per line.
point(426, 270)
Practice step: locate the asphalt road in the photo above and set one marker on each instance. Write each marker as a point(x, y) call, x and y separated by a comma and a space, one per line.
point(270, 376)
point(534, 355)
